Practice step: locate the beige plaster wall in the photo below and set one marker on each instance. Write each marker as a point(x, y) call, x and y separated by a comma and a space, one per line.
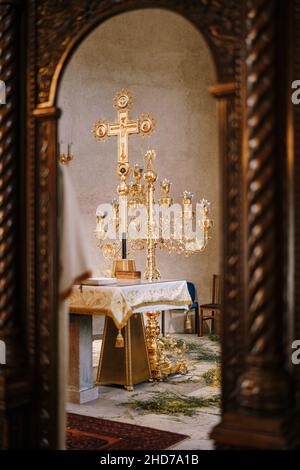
point(163, 60)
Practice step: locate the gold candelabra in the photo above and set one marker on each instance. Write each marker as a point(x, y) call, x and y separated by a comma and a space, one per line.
point(161, 232)
point(156, 230)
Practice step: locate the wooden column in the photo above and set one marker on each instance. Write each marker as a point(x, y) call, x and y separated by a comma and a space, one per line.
point(264, 384)
point(46, 256)
point(14, 376)
point(228, 103)
point(294, 188)
point(262, 415)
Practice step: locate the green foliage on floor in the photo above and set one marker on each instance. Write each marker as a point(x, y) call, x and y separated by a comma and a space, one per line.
point(197, 351)
point(213, 376)
point(214, 337)
point(200, 352)
point(173, 404)
point(180, 342)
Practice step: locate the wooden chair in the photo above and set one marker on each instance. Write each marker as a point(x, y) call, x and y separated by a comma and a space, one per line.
point(208, 311)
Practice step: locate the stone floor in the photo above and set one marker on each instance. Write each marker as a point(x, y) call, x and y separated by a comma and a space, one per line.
point(119, 405)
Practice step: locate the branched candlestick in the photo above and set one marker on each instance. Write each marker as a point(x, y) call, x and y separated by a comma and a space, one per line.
point(177, 238)
point(65, 159)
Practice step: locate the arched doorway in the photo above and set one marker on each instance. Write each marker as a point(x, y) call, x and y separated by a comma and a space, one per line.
point(244, 48)
point(226, 55)
point(170, 76)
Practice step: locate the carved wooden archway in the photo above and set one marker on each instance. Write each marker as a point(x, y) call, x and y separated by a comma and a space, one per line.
point(256, 385)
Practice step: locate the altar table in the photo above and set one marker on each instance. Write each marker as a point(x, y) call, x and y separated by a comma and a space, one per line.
point(121, 303)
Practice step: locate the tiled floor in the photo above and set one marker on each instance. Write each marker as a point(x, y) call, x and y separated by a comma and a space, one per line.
point(113, 401)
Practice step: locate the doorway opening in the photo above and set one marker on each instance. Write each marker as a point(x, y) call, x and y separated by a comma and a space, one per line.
point(167, 66)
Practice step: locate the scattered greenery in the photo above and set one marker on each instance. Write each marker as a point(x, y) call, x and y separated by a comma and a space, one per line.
point(214, 337)
point(171, 379)
point(206, 356)
point(180, 342)
point(202, 353)
point(213, 376)
point(192, 346)
point(173, 404)
point(197, 351)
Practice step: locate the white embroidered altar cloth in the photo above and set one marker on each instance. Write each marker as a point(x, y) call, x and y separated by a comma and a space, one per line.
point(122, 299)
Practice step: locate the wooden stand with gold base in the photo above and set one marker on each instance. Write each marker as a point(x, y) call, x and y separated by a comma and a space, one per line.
point(128, 365)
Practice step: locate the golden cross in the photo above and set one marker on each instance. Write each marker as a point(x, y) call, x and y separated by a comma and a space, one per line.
point(123, 128)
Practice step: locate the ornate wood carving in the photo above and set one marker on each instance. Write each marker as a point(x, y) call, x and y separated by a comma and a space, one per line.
point(46, 256)
point(30, 196)
point(263, 420)
point(220, 23)
point(295, 184)
point(8, 183)
point(13, 381)
point(232, 294)
point(9, 186)
point(54, 31)
point(263, 386)
point(230, 118)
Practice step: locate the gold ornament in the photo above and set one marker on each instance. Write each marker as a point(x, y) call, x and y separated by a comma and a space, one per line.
point(146, 124)
point(100, 130)
point(123, 99)
point(165, 199)
point(165, 356)
point(151, 273)
point(119, 343)
point(187, 324)
point(65, 159)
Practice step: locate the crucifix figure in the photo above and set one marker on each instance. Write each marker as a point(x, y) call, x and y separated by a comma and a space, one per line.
point(123, 128)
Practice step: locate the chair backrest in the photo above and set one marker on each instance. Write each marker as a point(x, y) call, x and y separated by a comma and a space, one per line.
point(192, 291)
point(216, 289)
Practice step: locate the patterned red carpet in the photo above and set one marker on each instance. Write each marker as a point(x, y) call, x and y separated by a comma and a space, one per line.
point(87, 433)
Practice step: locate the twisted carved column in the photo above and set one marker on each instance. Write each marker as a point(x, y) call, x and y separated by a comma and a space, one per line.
point(13, 383)
point(9, 138)
point(296, 189)
point(263, 386)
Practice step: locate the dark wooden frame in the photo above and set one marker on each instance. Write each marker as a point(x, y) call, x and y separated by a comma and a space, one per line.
point(261, 390)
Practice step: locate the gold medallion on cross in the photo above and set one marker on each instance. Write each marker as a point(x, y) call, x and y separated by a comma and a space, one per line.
point(123, 128)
